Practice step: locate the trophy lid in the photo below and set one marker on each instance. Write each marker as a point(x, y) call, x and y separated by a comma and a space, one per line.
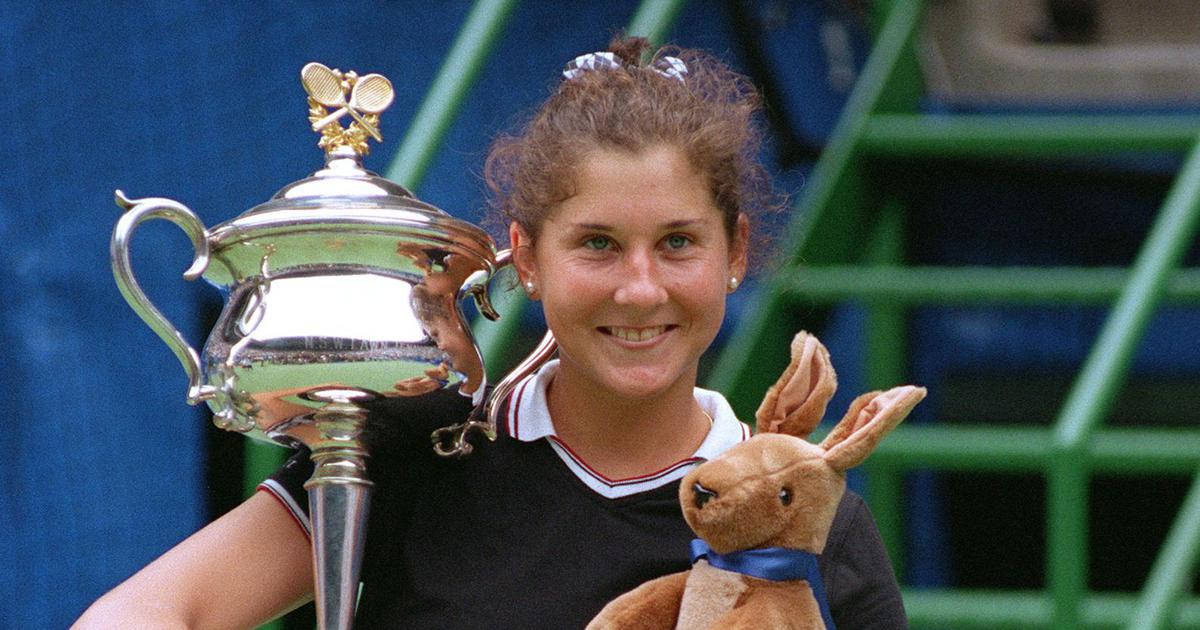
point(343, 198)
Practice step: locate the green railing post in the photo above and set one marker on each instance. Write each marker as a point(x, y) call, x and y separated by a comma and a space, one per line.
point(1066, 536)
point(886, 364)
point(458, 72)
point(653, 18)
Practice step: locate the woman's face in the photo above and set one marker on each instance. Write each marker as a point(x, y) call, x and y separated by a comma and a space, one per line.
point(632, 271)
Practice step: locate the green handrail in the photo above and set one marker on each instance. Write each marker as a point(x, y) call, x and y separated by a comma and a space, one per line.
point(1164, 248)
point(483, 25)
point(1093, 393)
point(1174, 569)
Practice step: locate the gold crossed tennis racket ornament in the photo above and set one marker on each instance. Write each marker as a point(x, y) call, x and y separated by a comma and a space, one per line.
point(327, 88)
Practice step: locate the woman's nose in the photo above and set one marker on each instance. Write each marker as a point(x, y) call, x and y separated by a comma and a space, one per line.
point(640, 283)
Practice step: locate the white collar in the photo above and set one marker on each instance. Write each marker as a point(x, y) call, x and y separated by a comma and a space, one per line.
point(529, 420)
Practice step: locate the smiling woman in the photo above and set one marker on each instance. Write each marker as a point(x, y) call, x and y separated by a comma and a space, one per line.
point(632, 271)
point(629, 198)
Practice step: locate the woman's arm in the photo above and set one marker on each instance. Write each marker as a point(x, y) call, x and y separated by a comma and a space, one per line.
point(252, 564)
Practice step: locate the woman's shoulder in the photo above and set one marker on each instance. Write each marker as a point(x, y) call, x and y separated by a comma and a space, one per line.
point(859, 579)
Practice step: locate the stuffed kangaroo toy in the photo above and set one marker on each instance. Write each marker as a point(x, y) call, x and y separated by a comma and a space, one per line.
point(765, 507)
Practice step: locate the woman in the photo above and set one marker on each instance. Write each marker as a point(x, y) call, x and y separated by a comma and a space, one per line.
point(628, 198)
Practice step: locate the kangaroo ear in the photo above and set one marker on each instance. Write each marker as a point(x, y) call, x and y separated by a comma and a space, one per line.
point(796, 402)
point(870, 417)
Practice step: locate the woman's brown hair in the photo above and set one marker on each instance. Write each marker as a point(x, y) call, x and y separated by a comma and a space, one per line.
point(709, 115)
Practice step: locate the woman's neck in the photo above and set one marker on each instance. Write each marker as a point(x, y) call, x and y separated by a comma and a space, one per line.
point(622, 437)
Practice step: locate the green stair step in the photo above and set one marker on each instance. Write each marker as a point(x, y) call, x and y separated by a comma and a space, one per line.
point(1029, 449)
point(1025, 135)
point(993, 610)
point(973, 284)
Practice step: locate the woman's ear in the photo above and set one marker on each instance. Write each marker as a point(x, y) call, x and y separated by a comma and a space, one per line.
point(523, 258)
point(739, 247)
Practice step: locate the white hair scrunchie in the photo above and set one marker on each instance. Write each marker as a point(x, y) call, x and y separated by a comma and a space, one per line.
point(670, 67)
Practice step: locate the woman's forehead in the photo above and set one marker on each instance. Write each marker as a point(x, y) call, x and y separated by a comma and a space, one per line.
point(656, 186)
point(651, 161)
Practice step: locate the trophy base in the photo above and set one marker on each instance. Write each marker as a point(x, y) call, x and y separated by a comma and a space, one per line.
point(339, 516)
point(339, 498)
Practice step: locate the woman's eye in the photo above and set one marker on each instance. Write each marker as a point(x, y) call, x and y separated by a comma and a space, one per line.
point(598, 243)
point(677, 241)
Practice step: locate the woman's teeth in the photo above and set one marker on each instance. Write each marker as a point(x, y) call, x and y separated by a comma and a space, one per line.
point(636, 334)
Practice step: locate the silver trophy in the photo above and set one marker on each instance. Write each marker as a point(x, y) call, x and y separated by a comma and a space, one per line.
point(342, 289)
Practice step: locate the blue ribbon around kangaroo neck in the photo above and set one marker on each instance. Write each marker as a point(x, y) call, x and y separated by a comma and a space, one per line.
point(772, 563)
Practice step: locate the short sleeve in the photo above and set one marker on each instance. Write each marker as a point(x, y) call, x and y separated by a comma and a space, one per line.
point(286, 484)
point(858, 575)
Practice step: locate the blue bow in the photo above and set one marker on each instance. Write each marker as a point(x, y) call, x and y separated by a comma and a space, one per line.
point(777, 564)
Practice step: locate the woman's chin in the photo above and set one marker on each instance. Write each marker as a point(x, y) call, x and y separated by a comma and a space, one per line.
point(641, 384)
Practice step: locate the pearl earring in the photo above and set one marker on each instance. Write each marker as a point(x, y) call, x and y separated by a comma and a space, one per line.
point(529, 286)
point(733, 283)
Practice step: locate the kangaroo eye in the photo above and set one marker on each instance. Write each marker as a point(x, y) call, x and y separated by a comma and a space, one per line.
point(785, 496)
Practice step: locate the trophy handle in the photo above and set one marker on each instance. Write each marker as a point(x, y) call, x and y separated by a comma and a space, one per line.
point(452, 441)
point(136, 211)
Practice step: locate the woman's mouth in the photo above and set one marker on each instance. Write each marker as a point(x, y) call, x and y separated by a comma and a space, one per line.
point(634, 334)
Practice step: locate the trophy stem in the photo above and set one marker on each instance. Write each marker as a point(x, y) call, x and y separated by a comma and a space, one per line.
point(339, 497)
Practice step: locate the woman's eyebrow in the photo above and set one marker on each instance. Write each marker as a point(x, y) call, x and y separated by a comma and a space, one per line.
point(599, 227)
point(670, 225)
point(682, 223)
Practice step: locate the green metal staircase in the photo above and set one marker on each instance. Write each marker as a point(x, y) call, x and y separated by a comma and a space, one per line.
point(845, 243)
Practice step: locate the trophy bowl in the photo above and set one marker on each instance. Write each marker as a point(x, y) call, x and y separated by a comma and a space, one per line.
point(341, 290)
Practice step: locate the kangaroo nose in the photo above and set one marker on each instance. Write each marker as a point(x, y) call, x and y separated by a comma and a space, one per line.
point(702, 494)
